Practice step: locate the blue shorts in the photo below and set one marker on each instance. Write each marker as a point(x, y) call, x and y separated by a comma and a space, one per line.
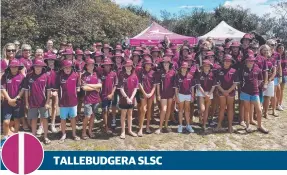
point(284, 79)
point(247, 97)
point(276, 81)
point(68, 112)
point(8, 112)
point(106, 104)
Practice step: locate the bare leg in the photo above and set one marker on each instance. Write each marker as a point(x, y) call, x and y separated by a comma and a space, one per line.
point(123, 124)
point(168, 111)
point(230, 112)
point(130, 124)
point(222, 100)
point(143, 110)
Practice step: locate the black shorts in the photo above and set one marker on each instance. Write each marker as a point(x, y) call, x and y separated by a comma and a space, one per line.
point(116, 97)
point(126, 106)
point(138, 96)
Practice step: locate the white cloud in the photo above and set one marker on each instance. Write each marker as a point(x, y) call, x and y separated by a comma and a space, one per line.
point(190, 6)
point(259, 7)
point(128, 2)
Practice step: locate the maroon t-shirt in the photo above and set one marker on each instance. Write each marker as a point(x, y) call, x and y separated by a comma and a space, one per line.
point(206, 81)
point(277, 61)
point(37, 86)
point(67, 86)
point(226, 78)
point(27, 63)
point(128, 83)
point(166, 82)
point(270, 65)
point(260, 62)
point(52, 78)
point(146, 79)
point(109, 81)
point(184, 83)
point(13, 85)
point(91, 97)
point(251, 80)
point(284, 65)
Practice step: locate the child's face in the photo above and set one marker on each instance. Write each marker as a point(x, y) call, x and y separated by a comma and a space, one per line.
point(107, 67)
point(68, 70)
point(206, 68)
point(98, 59)
point(14, 70)
point(106, 50)
point(245, 42)
point(235, 49)
point(79, 57)
point(118, 60)
point(166, 65)
point(220, 54)
point(136, 59)
point(51, 63)
point(38, 70)
point(227, 63)
point(69, 57)
point(249, 64)
point(185, 52)
point(129, 68)
point(147, 66)
point(183, 70)
point(90, 67)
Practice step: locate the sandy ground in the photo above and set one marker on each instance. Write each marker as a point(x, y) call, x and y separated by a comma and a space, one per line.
point(239, 140)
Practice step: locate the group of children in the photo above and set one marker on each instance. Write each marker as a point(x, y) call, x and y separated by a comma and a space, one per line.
point(176, 77)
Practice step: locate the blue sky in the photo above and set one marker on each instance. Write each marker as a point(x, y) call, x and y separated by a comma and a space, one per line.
point(174, 6)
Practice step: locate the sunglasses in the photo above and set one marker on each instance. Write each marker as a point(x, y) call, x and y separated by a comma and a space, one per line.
point(27, 50)
point(10, 50)
point(272, 45)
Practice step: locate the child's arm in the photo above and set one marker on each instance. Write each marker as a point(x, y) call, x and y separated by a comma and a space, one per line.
point(47, 105)
point(211, 91)
point(153, 90)
point(92, 87)
point(123, 93)
point(158, 91)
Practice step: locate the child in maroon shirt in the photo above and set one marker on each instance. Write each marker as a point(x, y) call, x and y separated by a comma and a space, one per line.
point(283, 55)
point(251, 79)
point(91, 85)
point(79, 66)
point(37, 96)
point(165, 92)
point(147, 87)
point(206, 82)
point(128, 85)
point(67, 85)
point(52, 71)
point(109, 82)
point(227, 78)
point(11, 88)
point(118, 60)
point(184, 92)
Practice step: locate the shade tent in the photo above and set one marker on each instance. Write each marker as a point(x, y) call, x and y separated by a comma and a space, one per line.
point(155, 33)
point(223, 31)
